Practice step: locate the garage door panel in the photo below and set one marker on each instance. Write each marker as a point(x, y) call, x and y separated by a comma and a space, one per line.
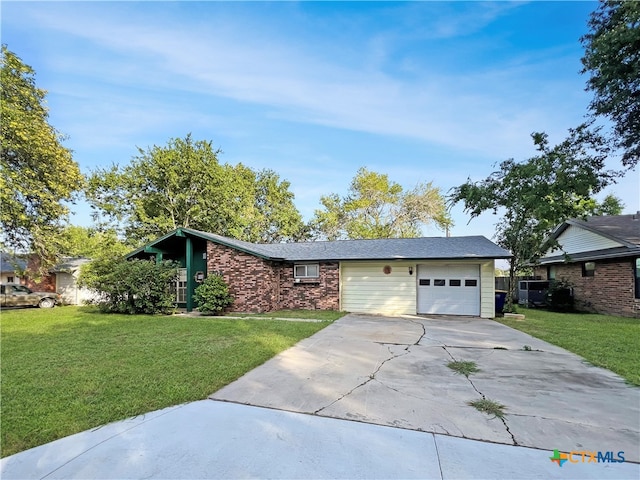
point(449, 289)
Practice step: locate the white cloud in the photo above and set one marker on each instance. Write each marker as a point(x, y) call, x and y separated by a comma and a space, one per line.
point(490, 112)
point(135, 75)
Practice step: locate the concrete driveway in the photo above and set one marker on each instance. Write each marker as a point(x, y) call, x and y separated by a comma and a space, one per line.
point(393, 372)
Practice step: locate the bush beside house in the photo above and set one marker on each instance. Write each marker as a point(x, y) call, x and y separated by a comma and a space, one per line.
point(212, 296)
point(132, 286)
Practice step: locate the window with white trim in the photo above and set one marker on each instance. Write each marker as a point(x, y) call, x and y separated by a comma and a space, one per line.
point(311, 270)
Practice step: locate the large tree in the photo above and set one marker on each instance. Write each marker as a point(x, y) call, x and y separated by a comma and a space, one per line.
point(38, 176)
point(76, 241)
point(182, 184)
point(612, 60)
point(536, 195)
point(376, 207)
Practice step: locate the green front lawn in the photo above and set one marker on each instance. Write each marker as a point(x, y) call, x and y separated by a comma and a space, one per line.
point(603, 340)
point(70, 369)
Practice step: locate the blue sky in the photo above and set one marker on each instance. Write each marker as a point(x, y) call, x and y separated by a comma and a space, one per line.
point(421, 91)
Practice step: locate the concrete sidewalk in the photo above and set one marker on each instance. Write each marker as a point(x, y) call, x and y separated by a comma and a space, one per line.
point(211, 439)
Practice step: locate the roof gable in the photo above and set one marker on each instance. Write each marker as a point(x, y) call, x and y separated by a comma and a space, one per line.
point(576, 239)
point(624, 229)
point(606, 236)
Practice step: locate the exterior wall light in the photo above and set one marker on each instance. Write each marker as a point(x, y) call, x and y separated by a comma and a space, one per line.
point(410, 270)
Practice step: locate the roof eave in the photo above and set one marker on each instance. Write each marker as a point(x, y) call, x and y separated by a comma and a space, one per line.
point(229, 242)
point(396, 259)
point(588, 256)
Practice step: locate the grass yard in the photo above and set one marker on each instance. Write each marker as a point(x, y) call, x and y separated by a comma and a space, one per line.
point(69, 369)
point(603, 340)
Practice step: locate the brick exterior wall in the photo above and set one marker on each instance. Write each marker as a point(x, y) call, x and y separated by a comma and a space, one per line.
point(322, 293)
point(46, 283)
point(611, 290)
point(258, 285)
point(252, 281)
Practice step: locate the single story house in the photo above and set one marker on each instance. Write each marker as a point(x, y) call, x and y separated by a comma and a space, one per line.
point(437, 275)
point(600, 258)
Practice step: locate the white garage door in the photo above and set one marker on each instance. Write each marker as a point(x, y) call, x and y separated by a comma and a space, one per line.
point(66, 287)
point(449, 289)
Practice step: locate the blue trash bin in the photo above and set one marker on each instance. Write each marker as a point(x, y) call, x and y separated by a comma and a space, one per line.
point(501, 296)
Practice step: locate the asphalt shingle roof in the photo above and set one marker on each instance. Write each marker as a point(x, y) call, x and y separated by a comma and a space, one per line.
point(472, 247)
point(623, 228)
point(8, 263)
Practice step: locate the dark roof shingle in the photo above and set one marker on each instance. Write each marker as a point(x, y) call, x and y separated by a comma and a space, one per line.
point(622, 228)
point(472, 247)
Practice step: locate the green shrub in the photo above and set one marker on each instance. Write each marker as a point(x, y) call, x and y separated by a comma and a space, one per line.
point(212, 296)
point(559, 296)
point(132, 286)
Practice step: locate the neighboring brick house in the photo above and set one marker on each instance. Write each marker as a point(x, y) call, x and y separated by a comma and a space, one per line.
point(452, 275)
point(600, 258)
point(13, 268)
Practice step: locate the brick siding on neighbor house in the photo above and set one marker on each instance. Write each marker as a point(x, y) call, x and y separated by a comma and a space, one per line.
point(611, 290)
point(259, 285)
point(46, 283)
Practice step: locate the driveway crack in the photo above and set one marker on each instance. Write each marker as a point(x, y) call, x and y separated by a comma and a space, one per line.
point(424, 331)
point(372, 376)
point(504, 422)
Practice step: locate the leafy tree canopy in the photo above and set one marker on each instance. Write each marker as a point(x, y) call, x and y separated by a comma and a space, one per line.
point(536, 195)
point(183, 184)
point(375, 207)
point(75, 241)
point(37, 174)
point(612, 60)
